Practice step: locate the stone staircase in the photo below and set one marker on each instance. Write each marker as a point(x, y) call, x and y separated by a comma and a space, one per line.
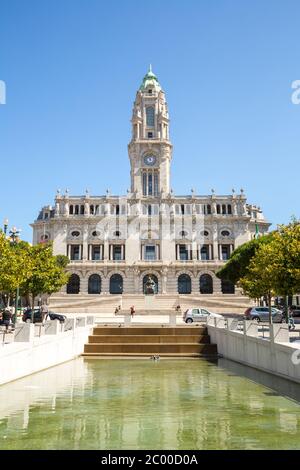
point(162, 303)
point(146, 341)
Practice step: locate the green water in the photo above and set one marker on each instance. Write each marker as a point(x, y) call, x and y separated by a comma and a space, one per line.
point(141, 404)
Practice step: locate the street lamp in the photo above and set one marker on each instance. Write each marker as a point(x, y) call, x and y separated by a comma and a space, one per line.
point(14, 233)
point(5, 225)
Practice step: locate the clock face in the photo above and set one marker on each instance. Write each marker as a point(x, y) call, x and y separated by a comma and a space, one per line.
point(150, 160)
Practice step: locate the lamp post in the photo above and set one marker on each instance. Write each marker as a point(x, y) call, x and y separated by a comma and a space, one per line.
point(5, 225)
point(14, 233)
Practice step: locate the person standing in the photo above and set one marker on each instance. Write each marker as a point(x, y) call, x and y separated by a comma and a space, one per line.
point(44, 311)
point(132, 311)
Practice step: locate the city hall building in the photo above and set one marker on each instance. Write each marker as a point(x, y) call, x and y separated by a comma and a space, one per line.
point(119, 245)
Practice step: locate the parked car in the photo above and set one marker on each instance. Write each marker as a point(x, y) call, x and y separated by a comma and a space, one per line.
point(262, 314)
point(198, 314)
point(27, 316)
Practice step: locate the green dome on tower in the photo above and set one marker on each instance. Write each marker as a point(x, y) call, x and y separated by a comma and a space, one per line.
point(150, 79)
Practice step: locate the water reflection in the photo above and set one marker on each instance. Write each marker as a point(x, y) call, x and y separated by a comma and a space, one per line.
point(171, 404)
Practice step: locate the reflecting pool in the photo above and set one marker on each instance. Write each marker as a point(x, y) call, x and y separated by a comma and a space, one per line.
point(142, 404)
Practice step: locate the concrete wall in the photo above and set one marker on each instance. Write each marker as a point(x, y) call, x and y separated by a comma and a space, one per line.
point(274, 354)
point(33, 354)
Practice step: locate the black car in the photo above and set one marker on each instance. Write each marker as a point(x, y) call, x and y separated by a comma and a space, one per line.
point(27, 316)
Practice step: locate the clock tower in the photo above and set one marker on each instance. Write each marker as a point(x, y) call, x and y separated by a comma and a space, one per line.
point(150, 150)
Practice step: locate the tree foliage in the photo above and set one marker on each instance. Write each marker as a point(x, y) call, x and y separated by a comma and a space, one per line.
point(238, 264)
point(33, 269)
point(268, 266)
point(48, 274)
point(15, 264)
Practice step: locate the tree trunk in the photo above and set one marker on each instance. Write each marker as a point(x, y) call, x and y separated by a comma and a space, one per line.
point(32, 314)
point(287, 308)
point(270, 308)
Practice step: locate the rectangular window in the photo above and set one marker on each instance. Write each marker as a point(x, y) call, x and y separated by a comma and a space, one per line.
point(117, 253)
point(204, 253)
point(75, 252)
point(225, 252)
point(96, 252)
point(150, 116)
point(150, 135)
point(155, 184)
point(183, 253)
point(150, 253)
point(144, 184)
point(150, 186)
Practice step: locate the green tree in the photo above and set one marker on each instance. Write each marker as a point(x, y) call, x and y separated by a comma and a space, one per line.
point(260, 277)
point(238, 264)
point(48, 273)
point(274, 270)
point(286, 243)
point(15, 265)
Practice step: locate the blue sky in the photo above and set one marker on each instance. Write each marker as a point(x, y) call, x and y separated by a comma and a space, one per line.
point(72, 68)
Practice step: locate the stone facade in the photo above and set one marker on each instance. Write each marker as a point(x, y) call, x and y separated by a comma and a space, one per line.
point(180, 241)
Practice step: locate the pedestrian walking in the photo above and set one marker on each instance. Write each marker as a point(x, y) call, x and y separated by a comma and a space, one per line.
point(291, 319)
point(44, 311)
point(132, 311)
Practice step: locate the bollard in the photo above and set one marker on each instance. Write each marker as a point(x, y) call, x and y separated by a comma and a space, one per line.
point(232, 324)
point(250, 328)
point(220, 322)
point(80, 321)
point(24, 332)
point(279, 333)
point(52, 327)
point(90, 320)
point(127, 319)
point(69, 324)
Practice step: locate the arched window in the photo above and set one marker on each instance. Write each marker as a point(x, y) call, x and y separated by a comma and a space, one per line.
point(94, 286)
point(218, 209)
point(71, 209)
point(206, 284)
point(116, 284)
point(150, 116)
point(184, 284)
point(73, 286)
point(227, 287)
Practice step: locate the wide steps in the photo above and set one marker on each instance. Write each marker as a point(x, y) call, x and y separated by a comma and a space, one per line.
point(145, 355)
point(135, 341)
point(99, 339)
point(151, 348)
point(150, 330)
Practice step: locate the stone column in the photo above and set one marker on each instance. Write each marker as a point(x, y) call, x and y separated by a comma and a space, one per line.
point(106, 250)
point(24, 332)
point(85, 243)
